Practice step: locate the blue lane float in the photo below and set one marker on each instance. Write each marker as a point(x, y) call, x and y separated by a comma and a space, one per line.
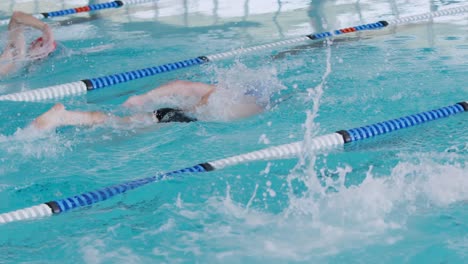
point(317, 144)
point(103, 194)
point(83, 9)
point(83, 86)
point(88, 8)
point(101, 82)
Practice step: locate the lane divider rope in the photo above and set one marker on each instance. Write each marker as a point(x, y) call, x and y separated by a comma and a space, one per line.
point(86, 85)
point(82, 9)
point(320, 143)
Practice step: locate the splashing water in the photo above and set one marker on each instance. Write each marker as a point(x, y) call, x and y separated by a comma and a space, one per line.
point(237, 81)
point(30, 142)
point(304, 172)
point(375, 212)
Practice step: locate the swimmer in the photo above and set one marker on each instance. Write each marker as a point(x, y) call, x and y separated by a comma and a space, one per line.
point(16, 49)
point(250, 103)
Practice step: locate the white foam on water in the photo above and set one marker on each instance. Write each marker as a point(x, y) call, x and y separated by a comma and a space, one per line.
point(233, 84)
point(460, 245)
point(95, 251)
point(318, 224)
point(166, 227)
point(29, 142)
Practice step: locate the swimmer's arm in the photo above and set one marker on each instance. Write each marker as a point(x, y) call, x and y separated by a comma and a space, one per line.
point(20, 18)
point(15, 47)
point(181, 88)
point(176, 88)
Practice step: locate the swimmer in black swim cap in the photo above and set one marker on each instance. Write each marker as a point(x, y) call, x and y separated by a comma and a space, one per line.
point(166, 115)
point(244, 106)
point(16, 50)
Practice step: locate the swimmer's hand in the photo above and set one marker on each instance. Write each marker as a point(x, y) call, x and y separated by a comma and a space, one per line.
point(135, 101)
point(47, 35)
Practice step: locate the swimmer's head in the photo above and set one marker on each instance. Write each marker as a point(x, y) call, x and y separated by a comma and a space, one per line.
point(40, 49)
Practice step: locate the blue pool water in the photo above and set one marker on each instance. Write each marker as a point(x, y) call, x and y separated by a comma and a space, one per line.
point(397, 198)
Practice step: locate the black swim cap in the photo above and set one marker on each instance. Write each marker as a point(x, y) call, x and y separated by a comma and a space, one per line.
point(165, 115)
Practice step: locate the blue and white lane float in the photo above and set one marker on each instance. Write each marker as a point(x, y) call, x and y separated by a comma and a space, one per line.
point(83, 86)
point(82, 9)
point(317, 144)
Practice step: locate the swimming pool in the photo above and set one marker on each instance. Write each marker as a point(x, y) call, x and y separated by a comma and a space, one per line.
point(399, 197)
